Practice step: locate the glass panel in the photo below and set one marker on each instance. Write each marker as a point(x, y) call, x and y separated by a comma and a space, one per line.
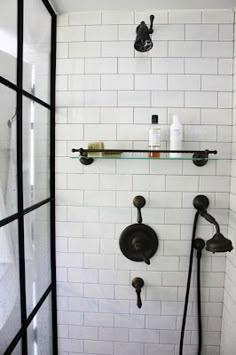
point(17, 350)
point(40, 331)
point(36, 152)
point(37, 254)
point(37, 49)
point(8, 190)
point(8, 39)
point(10, 321)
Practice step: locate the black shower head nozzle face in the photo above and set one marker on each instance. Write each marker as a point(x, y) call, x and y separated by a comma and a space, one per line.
point(219, 244)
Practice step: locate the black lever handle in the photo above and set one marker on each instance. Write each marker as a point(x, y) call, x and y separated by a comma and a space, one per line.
point(138, 283)
point(151, 23)
point(139, 202)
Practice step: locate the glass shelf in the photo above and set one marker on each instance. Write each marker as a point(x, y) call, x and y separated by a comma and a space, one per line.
point(135, 157)
point(87, 156)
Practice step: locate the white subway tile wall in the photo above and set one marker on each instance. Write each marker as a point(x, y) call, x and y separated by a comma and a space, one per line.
point(228, 341)
point(107, 92)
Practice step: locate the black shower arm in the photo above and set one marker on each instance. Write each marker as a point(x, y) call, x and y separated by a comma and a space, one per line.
point(210, 219)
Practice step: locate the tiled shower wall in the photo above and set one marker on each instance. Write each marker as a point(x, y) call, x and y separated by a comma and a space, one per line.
point(229, 311)
point(107, 92)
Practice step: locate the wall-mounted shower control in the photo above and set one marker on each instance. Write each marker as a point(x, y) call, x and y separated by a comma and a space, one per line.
point(138, 283)
point(139, 242)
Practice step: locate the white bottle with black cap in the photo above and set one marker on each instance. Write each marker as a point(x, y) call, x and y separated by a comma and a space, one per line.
point(154, 137)
point(176, 137)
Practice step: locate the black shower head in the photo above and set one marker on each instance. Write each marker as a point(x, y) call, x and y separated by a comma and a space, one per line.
point(143, 42)
point(218, 243)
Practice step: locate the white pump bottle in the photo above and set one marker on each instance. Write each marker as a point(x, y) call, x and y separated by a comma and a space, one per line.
point(176, 137)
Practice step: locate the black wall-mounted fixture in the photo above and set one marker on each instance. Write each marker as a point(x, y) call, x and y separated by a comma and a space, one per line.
point(139, 242)
point(138, 283)
point(143, 42)
point(217, 244)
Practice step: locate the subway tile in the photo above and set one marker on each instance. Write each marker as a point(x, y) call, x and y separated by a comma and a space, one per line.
point(101, 33)
point(82, 275)
point(99, 198)
point(117, 17)
point(69, 198)
point(61, 83)
point(83, 181)
point(117, 182)
point(214, 183)
point(186, 16)
point(100, 132)
point(117, 49)
point(165, 199)
point(148, 183)
point(184, 82)
point(126, 32)
point(84, 49)
point(168, 98)
point(83, 82)
point(113, 306)
point(98, 261)
point(168, 32)
point(70, 345)
point(69, 99)
point(128, 348)
point(117, 82)
point(185, 49)
point(117, 277)
point(113, 334)
point(144, 335)
point(85, 18)
point(200, 133)
point(225, 100)
point(216, 116)
point(116, 115)
point(201, 99)
point(70, 34)
point(226, 32)
point(83, 333)
point(70, 66)
point(160, 322)
point(217, 16)
point(82, 304)
point(98, 319)
point(201, 66)
point(62, 20)
point(159, 50)
point(168, 65)
point(100, 65)
point(83, 245)
point(225, 66)
point(133, 98)
point(83, 114)
point(134, 65)
point(101, 291)
point(150, 82)
point(163, 349)
point(162, 294)
point(217, 49)
point(69, 260)
point(100, 98)
point(82, 214)
point(129, 321)
point(202, 32)
point(134, 132)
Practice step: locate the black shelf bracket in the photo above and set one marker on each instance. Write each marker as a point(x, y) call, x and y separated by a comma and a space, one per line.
point(199, 157)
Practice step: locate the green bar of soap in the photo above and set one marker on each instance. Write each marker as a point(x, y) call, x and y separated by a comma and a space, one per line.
point(95, 145)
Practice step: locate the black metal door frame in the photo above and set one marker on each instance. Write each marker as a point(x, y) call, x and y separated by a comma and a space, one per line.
point(19, 216)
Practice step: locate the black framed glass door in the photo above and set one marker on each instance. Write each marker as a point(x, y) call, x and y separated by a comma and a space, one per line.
point(28, 311)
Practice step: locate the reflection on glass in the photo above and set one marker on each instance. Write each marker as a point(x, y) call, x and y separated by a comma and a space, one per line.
point(8, 39)
point(8, 190)
point(37, 254)
point(37, 49)
point(40, 331)
point(36, 152)
point(9, 285)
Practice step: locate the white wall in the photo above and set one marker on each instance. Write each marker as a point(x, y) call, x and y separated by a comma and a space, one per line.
point(107, 92)
point(229, 314)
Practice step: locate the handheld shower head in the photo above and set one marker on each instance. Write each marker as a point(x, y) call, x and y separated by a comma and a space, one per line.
point(143, 42)
point(218, 243)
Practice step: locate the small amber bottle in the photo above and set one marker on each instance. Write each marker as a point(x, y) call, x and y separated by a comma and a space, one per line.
point(154, 138)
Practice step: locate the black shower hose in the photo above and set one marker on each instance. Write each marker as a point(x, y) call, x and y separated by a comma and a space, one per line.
point(188, 291)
